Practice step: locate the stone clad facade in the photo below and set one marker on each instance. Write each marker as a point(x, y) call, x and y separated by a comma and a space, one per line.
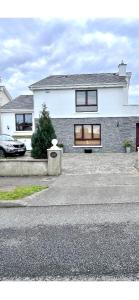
point(113, 132)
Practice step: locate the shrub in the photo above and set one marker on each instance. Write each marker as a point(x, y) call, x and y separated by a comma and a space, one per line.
point(41, 139)
point(60, 145)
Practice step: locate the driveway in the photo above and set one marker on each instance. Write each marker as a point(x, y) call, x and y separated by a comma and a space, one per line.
point(99, 163)
point(92, 179)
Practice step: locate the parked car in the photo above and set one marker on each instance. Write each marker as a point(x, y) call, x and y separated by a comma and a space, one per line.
point(10, 146)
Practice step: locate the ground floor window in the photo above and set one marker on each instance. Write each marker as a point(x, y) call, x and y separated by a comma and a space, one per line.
point(23, 122)
point(87, 135)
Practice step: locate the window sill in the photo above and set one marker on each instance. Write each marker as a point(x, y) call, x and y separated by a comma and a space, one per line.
point(87, 112)
point(99, 146)
point(19, 133)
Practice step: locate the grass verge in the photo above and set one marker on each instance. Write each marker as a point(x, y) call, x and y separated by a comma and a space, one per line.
point(21, 192)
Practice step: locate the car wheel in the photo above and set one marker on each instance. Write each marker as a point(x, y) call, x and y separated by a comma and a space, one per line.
point(2, 153)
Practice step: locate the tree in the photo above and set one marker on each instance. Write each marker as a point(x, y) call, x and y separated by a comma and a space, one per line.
point(41, 139)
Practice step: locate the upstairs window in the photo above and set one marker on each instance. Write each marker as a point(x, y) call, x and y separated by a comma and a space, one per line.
point(23, 122)
point(86, 101)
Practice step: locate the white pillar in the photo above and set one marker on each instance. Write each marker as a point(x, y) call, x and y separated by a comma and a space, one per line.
point(54, 159)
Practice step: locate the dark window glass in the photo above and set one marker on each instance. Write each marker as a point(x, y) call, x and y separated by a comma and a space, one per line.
point(92, 98)
point(86, 101)
point(23, 122)
point(81, 96)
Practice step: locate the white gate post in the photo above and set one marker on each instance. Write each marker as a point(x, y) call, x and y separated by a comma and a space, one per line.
point(54, 159)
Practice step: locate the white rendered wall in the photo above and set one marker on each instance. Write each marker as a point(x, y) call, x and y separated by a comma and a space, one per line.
point(61, 103)
point(8, 120)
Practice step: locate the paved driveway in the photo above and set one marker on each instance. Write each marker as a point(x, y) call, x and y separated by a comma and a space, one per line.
point(99, 163)
point(92, 179)
point(86, 179)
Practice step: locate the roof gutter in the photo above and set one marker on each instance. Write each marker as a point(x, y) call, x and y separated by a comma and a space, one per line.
point(79, 86)
point(16, 110)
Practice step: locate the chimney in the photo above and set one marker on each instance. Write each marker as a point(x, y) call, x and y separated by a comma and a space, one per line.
point(122, 69)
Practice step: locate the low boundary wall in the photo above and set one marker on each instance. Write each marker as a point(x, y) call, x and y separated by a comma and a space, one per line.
point(23, 167)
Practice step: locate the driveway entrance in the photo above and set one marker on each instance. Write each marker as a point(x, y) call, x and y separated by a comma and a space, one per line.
point(99, 163)
point(89, 179)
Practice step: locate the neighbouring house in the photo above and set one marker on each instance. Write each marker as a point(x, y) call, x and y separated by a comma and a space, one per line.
point(17, 119)
point(89, 111)
point(5, 97)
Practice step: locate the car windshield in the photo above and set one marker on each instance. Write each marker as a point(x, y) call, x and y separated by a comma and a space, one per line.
point(6, 138)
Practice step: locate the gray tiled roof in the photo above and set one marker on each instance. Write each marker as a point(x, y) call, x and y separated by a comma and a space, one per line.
point(81, 79)
point(21, 102)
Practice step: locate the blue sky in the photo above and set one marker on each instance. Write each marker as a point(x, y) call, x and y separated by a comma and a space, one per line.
point(32, 49)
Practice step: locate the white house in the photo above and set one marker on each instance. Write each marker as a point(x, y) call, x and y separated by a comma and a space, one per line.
point(89, 110)
point(17, 119)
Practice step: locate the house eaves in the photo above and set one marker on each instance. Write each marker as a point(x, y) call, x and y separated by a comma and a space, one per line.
point(18, 110)
point(77, 86)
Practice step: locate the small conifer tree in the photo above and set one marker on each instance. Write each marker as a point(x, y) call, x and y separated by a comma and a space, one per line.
point(41, 139)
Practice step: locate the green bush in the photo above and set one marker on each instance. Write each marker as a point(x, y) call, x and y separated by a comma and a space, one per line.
point(60, 145)
point(41, 139)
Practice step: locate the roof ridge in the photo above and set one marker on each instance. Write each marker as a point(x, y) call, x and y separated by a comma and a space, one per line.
point(79, 74)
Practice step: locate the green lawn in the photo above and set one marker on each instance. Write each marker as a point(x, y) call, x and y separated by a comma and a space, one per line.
point(21, 192)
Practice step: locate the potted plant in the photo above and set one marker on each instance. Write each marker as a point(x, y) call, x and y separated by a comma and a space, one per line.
point(127, 145)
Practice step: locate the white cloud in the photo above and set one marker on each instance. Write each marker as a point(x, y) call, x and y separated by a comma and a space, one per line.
point(17, 81)
point(56, 69)
point(104, 37)
point(12, 43)
point(48, 48)
point(38, 48)
point(36, 64)
point(11, 47)
point(134, 90)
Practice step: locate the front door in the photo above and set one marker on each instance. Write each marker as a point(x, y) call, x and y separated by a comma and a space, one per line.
point(137, 135)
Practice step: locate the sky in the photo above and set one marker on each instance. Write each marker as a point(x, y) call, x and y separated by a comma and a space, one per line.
point(34, 48)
